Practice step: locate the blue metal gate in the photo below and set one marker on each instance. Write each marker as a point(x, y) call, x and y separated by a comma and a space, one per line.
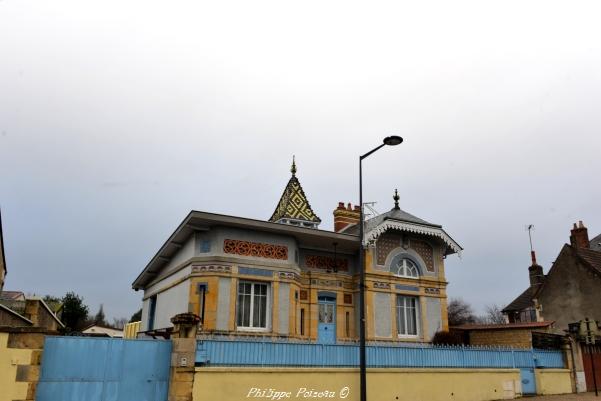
point(528, 381)
point(104, 369)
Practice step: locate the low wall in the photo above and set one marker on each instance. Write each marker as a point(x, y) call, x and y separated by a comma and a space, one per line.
point(553, 381)
point(237, 384)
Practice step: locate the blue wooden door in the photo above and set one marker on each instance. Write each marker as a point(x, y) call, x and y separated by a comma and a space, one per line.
point(528, 381)
point(104, 369)
point(326, 327)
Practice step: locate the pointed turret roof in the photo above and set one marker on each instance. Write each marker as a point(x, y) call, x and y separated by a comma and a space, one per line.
point(293, 207)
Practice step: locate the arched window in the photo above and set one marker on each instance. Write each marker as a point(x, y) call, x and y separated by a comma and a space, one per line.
point(405, 268)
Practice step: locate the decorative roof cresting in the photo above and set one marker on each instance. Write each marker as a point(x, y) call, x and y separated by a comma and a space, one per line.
point(398, 219)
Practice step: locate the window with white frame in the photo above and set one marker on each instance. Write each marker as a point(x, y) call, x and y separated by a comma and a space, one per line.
point(253, 305)
point(406, 316)
point(405, 268)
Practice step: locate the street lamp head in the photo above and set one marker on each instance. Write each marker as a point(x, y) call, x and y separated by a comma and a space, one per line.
point(393, 140)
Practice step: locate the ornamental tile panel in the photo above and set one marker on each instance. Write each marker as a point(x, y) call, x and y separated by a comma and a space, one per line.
point(385, 244)
point(424, 250)
point(256, 249)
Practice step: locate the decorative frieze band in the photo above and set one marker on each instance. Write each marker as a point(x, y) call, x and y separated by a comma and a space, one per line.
point(383, 286)
point(256, 249)
point(326, 263)
point(212, 269)
point(331, 283)
point(288, 276)
point(433, 291)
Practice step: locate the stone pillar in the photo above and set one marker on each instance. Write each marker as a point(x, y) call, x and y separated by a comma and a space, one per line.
point(573, 356)
point(23, 347)
point(183, 355)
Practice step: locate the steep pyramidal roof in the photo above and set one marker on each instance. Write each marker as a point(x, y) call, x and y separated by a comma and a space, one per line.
point(293, 207)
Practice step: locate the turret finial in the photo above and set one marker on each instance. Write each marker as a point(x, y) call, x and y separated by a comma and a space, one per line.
point(293, 168)
point(396, 199)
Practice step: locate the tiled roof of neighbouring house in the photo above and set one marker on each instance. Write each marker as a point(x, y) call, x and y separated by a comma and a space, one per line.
point(523, 301)
point(591, 257)
point(11, 295)
point(595, 243)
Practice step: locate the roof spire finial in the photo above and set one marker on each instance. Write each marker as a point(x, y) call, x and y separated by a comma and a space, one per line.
point(293, 168)
point(396, 199)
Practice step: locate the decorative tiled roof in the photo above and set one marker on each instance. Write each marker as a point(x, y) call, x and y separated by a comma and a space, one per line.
point(294, 204)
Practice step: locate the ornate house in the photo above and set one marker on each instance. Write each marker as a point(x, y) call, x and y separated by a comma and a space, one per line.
point(285, 277)
point(569, 292)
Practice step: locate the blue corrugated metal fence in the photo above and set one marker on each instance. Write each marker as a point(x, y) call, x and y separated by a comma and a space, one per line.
point(256, 353)
point(104, 369)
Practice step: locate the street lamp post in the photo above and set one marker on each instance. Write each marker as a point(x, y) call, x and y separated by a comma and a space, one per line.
point(391, 141)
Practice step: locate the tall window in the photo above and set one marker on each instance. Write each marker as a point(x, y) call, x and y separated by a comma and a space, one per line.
point(406, 315)
point(252, 305)
point(202, 291)
point(405, 268)
point(152, 307)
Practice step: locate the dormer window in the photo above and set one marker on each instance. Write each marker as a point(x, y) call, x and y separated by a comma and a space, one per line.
point(405, 268)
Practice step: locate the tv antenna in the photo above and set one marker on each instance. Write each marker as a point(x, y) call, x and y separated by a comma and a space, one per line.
point(370, 206)
point(530, 228)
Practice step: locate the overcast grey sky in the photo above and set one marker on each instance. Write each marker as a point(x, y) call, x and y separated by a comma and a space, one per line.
point(119, 117)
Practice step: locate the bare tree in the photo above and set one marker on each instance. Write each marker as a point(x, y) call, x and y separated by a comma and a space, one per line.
point(460, 312)
point(119, 323)
point(493, 315)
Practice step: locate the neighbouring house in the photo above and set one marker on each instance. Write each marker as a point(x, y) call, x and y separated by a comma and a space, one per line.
point(569, 292)
point(285, 277)
point(18, 310)
point(100, 330)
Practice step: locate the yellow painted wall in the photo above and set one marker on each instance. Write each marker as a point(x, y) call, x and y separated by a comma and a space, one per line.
point(553, 381)
point(9, 359)
point(237, 384)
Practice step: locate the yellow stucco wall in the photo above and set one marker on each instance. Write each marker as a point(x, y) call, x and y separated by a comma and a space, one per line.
point(9, 359)
point(553, 381)
point(237, 384)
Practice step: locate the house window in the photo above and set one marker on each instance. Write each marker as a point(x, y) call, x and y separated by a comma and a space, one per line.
point(405, 268)
point(406, 316)
point(202, 291)
point(205, 246)
point(152, 307)
point(253, 300)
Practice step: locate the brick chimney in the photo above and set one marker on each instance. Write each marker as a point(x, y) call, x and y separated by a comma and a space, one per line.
point(346, 216)
point(579, 236)
point(536, 272)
